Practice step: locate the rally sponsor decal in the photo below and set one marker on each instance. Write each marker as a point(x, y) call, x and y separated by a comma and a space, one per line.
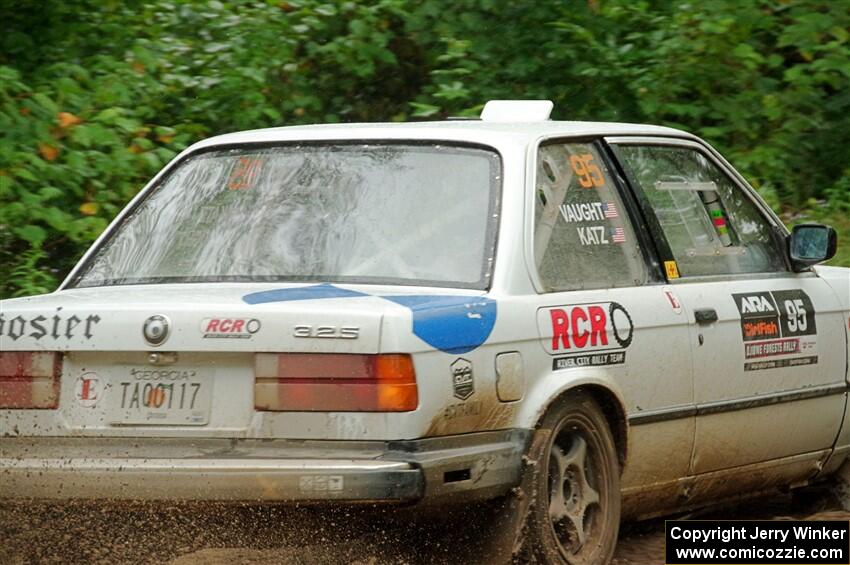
point(771, 348)
point(780, 313)
point(462, 379)
point(778, 323)
point(586, 335)
point(589, 360)
point(88, 389)
point(229, 328)
point(56, 326)
point(778, 363)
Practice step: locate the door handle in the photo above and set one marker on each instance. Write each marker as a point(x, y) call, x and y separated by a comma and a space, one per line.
point(705, 315)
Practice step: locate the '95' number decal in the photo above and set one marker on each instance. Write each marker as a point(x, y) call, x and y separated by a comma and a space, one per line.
point(776, 314)
point(589, 175)
point(796, 315)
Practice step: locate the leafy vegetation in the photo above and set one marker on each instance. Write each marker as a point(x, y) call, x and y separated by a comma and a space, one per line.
point(97, 95)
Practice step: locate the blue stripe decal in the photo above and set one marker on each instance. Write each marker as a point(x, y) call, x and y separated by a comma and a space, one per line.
point(313, 292)
point(453, 324)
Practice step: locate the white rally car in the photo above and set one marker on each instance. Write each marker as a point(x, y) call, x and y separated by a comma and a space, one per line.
point(604, 315)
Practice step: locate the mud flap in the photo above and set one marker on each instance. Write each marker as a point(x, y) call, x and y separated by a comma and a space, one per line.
point(510, 519)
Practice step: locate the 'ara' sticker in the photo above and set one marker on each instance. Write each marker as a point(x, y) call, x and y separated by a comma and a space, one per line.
point(777, 324)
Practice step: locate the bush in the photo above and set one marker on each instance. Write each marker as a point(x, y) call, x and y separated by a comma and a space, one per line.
point(117, 90)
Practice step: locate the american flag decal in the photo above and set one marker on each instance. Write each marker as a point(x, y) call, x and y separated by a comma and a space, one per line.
point(610, 210)
point(618, 235)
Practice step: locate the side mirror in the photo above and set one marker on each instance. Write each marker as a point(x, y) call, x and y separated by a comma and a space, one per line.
point(810, 244)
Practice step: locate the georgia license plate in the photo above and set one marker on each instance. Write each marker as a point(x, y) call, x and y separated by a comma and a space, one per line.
point(161, 396)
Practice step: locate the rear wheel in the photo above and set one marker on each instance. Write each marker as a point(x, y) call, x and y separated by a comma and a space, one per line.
point(575, 512)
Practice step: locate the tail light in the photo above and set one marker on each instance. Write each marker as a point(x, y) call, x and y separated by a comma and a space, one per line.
point(334, 382)
point(29, 379)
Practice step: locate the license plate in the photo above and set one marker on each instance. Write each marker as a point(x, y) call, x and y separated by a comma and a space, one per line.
point(166, 396)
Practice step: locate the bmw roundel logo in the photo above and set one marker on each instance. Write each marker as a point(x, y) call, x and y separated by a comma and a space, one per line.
point(156, 329)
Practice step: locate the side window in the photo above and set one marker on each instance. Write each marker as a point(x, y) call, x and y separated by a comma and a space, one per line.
point(712, 227)
point(582, 236)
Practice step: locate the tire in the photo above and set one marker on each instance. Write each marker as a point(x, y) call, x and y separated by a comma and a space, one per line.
point(576, 484)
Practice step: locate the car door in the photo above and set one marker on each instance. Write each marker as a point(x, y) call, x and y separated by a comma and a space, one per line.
point(604, 312)
point(766, 384)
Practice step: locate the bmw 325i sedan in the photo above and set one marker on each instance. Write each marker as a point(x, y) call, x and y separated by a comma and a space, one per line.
point(600, 321)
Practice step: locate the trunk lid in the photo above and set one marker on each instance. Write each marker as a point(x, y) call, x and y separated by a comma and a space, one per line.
point(207, 359)
point(200, 317)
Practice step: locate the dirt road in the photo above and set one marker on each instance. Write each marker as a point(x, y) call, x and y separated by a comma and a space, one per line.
point(253, 534)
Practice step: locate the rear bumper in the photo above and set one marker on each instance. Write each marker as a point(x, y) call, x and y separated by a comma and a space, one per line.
point(479, 465)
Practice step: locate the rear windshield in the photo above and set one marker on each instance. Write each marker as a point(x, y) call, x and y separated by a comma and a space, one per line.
point(377, 213)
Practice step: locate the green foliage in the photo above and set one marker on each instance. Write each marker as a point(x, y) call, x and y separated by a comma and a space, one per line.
point(767, 82)
point(97, 95)
point(29, 278)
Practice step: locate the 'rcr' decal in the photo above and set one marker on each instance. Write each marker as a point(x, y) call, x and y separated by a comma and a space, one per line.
point(585, 327)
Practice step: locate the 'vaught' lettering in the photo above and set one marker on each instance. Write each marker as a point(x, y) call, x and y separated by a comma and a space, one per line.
point(587, 212)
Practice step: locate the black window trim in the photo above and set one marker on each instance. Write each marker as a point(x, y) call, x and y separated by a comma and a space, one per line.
point(641, 224)
point(491, 239)
point(633, 214)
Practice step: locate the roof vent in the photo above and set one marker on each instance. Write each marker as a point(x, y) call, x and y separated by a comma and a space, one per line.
point(517, 110)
